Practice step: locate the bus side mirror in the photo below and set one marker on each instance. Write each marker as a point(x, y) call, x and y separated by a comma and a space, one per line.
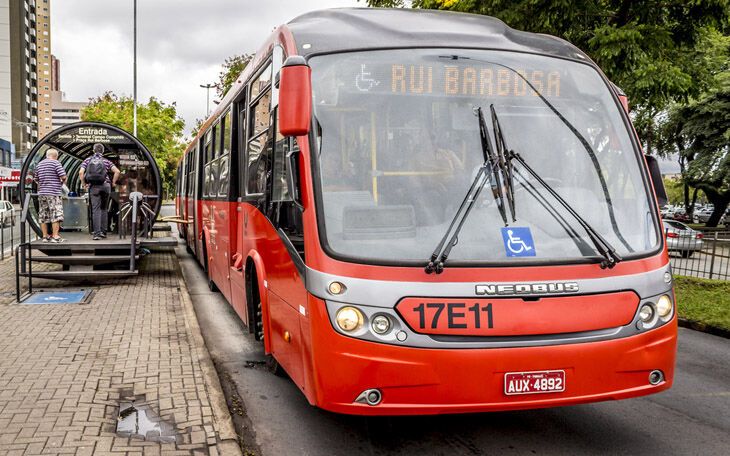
point(295, 97)
point(656, 179)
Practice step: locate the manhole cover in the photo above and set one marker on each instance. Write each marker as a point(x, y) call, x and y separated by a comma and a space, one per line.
point(57, 297)
point(139, 421)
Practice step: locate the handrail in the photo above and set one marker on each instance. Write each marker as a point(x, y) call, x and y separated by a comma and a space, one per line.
point(134, 197)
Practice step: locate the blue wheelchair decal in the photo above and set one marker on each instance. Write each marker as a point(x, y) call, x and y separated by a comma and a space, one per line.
point(518, 241)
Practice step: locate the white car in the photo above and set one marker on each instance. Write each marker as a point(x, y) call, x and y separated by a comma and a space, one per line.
point(7, 213)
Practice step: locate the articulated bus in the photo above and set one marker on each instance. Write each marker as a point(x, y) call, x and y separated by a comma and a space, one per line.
point(421, 212)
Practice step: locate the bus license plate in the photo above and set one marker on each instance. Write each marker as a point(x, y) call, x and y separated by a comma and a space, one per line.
point(534, 382)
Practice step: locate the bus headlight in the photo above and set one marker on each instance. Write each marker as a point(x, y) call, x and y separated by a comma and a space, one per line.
point(646, 313)
point(664, 306)
point(349, 319)
point(380, 324)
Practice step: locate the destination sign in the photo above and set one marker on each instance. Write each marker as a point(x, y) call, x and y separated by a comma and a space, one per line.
point(457, 80)
point(91, 135)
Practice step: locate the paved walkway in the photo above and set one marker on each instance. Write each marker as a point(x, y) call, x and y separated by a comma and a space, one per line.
point(65, 369)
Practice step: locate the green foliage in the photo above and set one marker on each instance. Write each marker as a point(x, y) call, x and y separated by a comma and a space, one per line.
point(158, 127)
point(232, 68)
point(675, 190)
point(649, 48)
point(196, 128)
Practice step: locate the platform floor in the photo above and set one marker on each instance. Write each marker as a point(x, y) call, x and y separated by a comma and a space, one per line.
point(76, 239)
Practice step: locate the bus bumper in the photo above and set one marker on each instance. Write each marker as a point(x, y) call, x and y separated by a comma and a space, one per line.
point(436, 381)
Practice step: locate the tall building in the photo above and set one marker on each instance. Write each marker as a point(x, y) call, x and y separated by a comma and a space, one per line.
point(43, 27)
point(55, 74)
point(6, 119)
point(64, 112)
point(25, 42)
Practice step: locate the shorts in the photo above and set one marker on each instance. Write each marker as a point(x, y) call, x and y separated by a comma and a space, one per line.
point(50, 209)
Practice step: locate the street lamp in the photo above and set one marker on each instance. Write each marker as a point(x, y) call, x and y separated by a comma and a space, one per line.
point(207, 88)
point(135, 69)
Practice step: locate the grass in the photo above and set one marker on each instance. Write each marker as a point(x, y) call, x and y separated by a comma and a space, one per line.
point(704, 301)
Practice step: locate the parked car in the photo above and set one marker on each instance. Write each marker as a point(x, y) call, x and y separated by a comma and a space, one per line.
point(681, 215)
point(7, 213)
point(681, 238)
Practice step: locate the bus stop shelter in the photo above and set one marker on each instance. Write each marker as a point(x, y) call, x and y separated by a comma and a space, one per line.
point(74, 143)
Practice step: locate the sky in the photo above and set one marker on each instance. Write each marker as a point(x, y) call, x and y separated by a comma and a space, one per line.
point(181, 44)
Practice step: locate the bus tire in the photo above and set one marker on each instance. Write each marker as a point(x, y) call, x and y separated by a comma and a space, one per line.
point(272, 365)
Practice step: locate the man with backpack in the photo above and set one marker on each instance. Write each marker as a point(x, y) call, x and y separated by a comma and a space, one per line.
point(94, 173)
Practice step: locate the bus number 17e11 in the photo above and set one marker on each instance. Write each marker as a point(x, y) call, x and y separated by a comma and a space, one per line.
point(454, 315)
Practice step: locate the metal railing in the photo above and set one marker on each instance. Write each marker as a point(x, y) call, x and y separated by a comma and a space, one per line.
point(702, 254)
point(24, 252)
point(138, 203)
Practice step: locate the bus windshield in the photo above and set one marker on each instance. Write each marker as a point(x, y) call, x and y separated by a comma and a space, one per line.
point(399, 145)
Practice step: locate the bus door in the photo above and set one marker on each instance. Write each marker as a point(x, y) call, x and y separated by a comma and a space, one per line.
point(238, 286)
point(223, 212)
point(190, 199)
point(210, 194)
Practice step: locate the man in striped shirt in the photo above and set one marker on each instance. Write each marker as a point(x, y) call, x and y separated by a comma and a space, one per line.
point(50, 175)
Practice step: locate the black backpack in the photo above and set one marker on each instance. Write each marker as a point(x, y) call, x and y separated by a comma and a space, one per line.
point(95, 171)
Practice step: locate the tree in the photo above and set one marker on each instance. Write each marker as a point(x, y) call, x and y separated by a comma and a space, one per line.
point(699, 131)
point(196, 128)
point(158, 127)
point(707, 127)
point(647, 47)
point(232, 68)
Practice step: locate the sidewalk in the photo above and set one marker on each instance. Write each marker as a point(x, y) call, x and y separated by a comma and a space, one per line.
point(65, 369)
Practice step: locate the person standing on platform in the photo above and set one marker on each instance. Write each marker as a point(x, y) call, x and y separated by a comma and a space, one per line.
point(50, 176)
point(94, 175)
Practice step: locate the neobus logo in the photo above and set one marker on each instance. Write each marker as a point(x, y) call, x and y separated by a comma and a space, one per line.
point(527, 288)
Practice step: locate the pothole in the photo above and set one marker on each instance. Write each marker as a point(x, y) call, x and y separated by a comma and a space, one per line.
point(136, 419)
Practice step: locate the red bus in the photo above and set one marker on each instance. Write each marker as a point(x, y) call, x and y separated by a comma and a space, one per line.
point(336, 198)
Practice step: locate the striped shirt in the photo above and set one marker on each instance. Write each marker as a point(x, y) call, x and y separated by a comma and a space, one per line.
point(107, 165)
point(48, 174)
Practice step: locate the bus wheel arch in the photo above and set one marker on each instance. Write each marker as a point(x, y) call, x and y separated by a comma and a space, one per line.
point(257, 302)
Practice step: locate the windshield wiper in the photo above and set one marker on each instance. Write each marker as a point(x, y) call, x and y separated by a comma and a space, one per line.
point(603, 247)
point(488, 171)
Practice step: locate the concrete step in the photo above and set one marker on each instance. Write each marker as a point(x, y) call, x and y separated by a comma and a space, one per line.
point(81, 259)
point(81, 275)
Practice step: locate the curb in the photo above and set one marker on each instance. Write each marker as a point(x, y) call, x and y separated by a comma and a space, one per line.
point(227, 438)
point(704, 327)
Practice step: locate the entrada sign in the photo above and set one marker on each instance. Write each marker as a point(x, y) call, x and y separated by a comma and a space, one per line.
point(90, 135)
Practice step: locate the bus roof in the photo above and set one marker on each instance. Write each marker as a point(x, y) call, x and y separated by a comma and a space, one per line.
point(350, 29)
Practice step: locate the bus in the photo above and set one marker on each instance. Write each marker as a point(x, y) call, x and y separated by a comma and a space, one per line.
point(422, 212)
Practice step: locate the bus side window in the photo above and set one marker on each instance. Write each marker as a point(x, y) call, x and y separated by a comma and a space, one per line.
point(241, 149)
point(224, 162)
point(257, 166)
point(283, 213)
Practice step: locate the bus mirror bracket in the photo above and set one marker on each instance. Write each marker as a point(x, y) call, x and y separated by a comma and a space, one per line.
point(295, 97)
point(656, 179)
point(292, 178)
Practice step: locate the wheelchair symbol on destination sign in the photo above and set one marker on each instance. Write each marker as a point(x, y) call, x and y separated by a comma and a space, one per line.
point(518, 241)
point(364, 82)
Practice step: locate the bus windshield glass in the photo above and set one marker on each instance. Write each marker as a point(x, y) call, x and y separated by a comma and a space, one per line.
point(399, 146)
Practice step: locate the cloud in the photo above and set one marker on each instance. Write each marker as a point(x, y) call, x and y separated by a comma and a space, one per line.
point(180, 44)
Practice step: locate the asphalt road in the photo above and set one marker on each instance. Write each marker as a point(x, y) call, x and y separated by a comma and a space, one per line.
point(691, 418)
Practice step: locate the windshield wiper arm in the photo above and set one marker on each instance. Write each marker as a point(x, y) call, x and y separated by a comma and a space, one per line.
point(603, 247)
point(488, 171)
point(505, 165)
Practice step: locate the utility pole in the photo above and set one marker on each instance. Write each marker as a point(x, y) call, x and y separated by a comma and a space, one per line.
point(207, 88)
point(135, 67)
